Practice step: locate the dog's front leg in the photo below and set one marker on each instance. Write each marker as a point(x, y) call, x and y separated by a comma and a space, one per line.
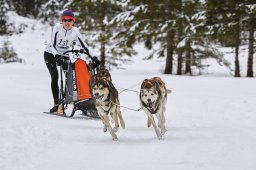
point(106, 122)
point(104, 125)
point(119, 114)
point(114, 112)
point(151, 118)
point(161, 123)
point(148, 122)
point(163, 118)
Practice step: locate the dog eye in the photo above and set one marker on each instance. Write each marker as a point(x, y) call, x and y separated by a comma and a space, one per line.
point(145, 95)
point(152, 94)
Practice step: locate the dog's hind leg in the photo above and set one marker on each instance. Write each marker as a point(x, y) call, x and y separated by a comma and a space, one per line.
point(111, 131)
point(151, 118)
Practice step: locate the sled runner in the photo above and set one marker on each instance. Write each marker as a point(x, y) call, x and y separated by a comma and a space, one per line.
point(75, 82)
point(80, 116)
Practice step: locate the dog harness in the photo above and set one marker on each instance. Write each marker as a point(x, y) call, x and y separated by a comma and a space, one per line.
point(147, 84)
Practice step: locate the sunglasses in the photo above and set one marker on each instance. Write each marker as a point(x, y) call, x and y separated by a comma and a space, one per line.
point(67, 20)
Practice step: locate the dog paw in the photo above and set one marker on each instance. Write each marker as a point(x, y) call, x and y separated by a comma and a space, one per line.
point(105, 129)
point(163, 131)
point(160, 137)
point(115, 138)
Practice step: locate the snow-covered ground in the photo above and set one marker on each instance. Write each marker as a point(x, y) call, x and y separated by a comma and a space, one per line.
point(210, 121)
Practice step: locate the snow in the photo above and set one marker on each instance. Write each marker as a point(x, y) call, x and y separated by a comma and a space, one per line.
point(210, 120)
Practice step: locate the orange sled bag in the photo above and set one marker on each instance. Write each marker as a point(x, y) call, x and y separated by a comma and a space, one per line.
point(78, 82)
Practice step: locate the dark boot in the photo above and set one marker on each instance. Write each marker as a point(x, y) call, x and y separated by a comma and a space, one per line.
point(54, 109)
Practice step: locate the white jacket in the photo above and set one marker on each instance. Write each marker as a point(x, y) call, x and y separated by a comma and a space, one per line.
point(61, 40)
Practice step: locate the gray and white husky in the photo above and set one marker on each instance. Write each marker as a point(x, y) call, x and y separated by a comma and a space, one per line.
point(153, 96)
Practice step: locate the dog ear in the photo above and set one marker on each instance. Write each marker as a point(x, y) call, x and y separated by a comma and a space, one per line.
point(142, 84)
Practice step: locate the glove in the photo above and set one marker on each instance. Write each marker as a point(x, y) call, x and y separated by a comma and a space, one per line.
point(64, 64)
point(58, 59)
point(95, 62)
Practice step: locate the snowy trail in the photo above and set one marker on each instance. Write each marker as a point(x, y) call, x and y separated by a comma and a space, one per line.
point(210, 121)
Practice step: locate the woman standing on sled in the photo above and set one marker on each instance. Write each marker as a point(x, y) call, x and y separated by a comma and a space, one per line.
point(63, 37)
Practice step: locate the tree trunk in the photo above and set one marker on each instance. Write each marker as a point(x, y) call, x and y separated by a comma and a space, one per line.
point(170, 49)
point(250, 53)
point(179, 50)
point(102, 55)
point(103, 43)
point(237, 66)
point(102, 36)
point(188, 59)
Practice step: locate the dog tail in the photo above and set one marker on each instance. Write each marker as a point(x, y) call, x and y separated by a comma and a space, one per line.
point(121, 119)
point(168, 91)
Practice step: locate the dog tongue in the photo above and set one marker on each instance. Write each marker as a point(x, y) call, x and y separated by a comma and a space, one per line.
point(98, 97)
point(150, 107)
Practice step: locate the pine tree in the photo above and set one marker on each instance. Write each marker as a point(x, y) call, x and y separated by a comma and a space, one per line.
point(7, 53)
point(3, 23)
point(93, 18)
point(50, 11)
point(250, 23)
point(224, 19)
point(175, 25)
point(150, 22)
point(27, 8)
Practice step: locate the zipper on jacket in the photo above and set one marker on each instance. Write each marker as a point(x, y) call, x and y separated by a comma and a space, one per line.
point(67, 31)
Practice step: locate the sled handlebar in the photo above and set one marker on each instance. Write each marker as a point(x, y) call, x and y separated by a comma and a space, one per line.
point(81, 51)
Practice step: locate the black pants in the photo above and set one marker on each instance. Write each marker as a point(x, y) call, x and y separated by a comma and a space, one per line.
point(52, 67)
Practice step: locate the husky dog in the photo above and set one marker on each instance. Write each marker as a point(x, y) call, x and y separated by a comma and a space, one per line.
point(107, 102)
point(153, 96)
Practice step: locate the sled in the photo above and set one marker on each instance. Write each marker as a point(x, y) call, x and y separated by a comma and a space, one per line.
point(75, 83)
